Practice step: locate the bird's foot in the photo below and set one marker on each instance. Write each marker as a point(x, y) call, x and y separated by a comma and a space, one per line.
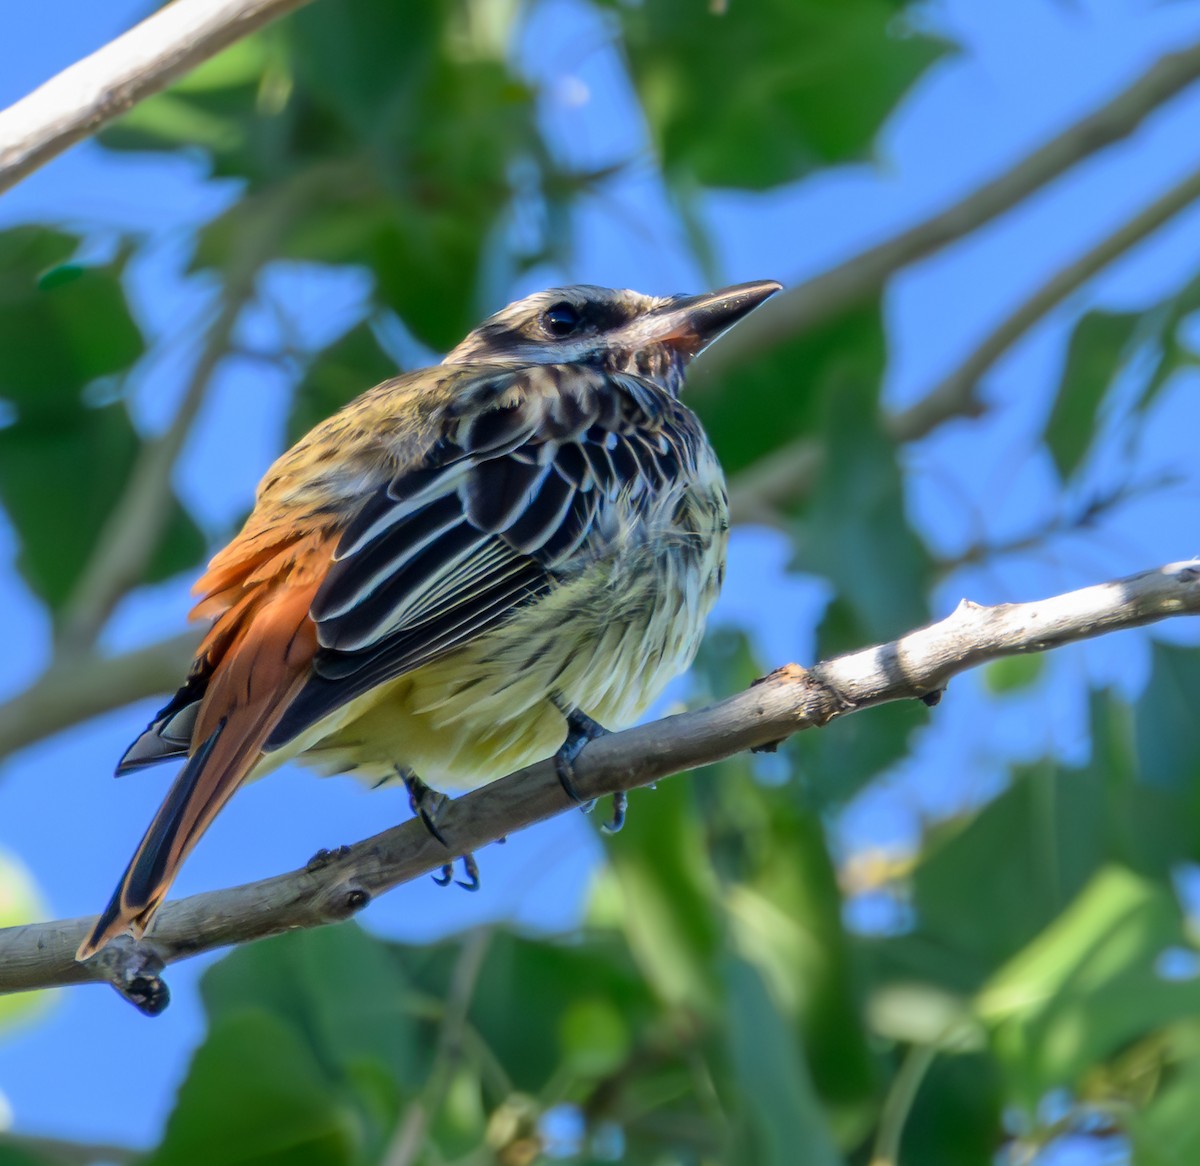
point(425, 803)
point(428, 804)
point(470, 869)
point(580, 730)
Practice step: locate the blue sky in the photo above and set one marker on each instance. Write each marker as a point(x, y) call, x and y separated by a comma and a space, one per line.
point(1027, 68)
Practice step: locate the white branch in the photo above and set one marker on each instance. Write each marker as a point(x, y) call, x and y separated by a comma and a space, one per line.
point(90, 93)
point(917, 665)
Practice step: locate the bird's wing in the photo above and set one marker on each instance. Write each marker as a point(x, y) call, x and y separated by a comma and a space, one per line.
point(447, 551)
point(314, 610)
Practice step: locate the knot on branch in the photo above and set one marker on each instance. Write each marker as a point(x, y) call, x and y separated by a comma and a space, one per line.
point(134, 970)
point(342, 901)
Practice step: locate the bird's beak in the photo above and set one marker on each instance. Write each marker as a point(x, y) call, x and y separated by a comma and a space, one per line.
point(692, 323)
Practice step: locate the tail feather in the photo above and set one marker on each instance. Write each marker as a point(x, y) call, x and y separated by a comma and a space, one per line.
point(144, 882)
point(263, 664)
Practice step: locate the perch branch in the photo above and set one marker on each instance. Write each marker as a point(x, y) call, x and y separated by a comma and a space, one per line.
point(918, 665)
point(89, 94)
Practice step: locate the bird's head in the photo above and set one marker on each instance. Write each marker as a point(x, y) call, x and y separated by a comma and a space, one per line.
point(616, 330)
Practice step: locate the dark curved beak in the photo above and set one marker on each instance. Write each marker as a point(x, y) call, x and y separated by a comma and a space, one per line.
point(692, 323)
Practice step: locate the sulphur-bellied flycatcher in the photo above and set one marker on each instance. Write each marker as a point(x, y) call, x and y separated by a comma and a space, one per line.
point(461, 566)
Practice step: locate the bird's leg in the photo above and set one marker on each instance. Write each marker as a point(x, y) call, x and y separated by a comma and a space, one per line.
point(425, 803)
point(428, 804)
point(580, 730)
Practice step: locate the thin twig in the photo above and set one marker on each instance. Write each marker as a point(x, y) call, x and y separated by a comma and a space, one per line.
point(68, 693)
point(132, 531)
point(409, 1138)
point(917, 665)
point(789, 472)
point(955, 394)
point(92, 92)
point(801, 308)
point(899, 1102)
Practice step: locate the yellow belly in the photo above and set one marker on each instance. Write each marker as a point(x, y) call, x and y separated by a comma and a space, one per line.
point(606, 644)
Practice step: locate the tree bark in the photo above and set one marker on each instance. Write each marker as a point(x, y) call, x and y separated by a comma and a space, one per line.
point(917, 665)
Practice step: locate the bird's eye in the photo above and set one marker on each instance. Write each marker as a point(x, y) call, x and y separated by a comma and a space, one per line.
point(560, 320)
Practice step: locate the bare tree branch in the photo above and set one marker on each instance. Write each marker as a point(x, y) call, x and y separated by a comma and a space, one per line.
point(801, 308)
point(92, 92)
point(71, 692)
point(134, 528)
point(333, 887)
point(788, 473)
point(956, 393)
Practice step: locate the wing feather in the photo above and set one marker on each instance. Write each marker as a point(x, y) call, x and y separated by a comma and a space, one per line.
point(451, 548)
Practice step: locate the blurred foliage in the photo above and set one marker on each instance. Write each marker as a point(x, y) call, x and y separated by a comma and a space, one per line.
point(20, 903)
point(713, 1006)
point(68, 339)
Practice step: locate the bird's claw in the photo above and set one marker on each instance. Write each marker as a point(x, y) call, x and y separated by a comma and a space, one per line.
point(427, 805)
point(470, 869)
point(580, 730)
point(620, 805)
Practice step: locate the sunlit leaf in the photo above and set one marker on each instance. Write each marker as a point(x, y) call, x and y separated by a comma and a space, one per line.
point(1088, 984)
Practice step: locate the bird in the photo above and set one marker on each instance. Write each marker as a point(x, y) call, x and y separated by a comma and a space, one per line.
point(469, 568)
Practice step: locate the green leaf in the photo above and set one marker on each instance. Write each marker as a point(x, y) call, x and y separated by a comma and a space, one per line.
point(64, 462)
point(986, 889)
point(768, 402)
point(782, 1120)
point(543, 982)
point(1013, 673)
point(1102, 347)
point(1167, 1133)
point(1099, 347)
point(254, 1094)
point(341, 988)
point(668, 896)
point(1168, 730)
point(783, 909)
point(956, 1114)
point(858, 535)
point(60, 477)
point(400, 161)
point(594, 1035)
point(1088, 984)
point(58, 334)
point(753, 95)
